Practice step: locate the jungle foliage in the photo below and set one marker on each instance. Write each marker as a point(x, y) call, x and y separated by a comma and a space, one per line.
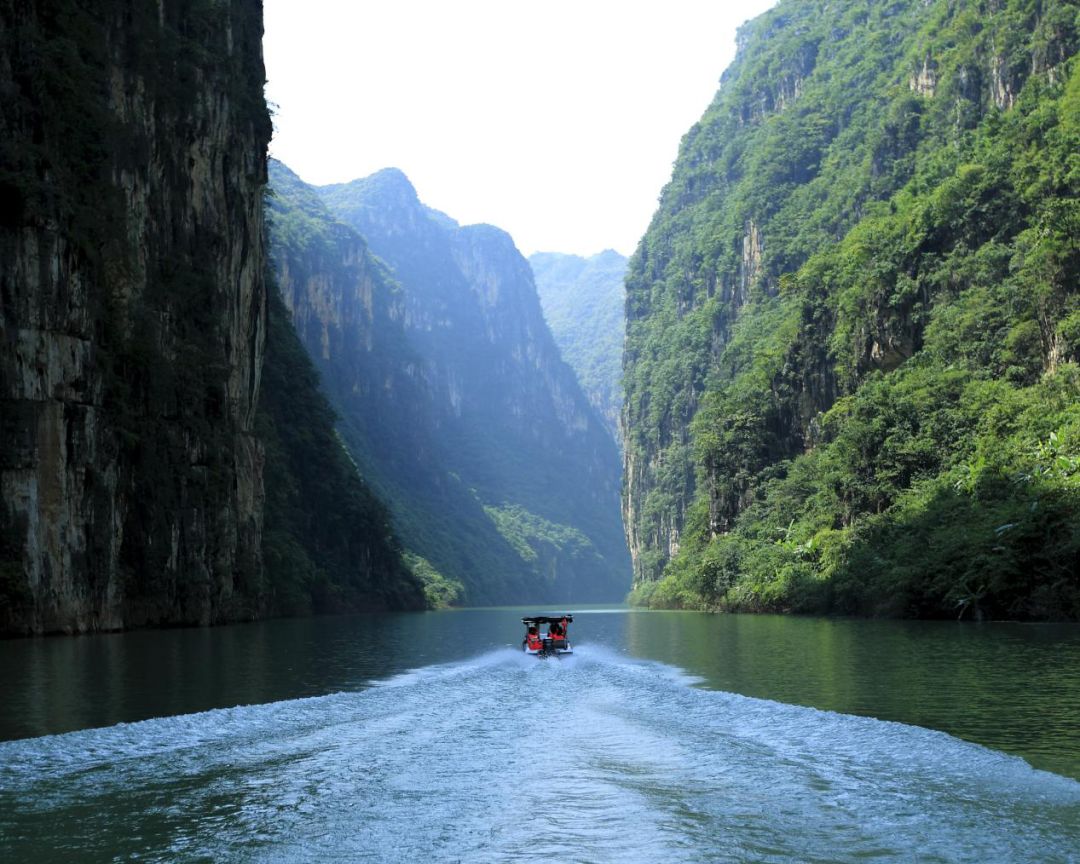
point(851, 369)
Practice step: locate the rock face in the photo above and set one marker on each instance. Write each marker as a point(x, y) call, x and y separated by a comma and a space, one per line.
point(583, 301)
point(131, 274)
point(452, 393)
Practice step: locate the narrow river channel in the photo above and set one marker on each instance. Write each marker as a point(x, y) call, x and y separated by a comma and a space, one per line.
point(666, 737)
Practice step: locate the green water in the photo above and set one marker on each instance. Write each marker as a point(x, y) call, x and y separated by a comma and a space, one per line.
point(1012, 687)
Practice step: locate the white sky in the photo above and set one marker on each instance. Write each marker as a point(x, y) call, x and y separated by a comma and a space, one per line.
point(558, 121)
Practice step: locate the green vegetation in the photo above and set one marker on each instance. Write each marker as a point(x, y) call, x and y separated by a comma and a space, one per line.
point(583, 305)
point(440, 592)
point(554, 551)
point(851, 358)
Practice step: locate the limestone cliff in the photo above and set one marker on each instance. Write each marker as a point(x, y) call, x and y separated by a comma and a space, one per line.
point(132, 157)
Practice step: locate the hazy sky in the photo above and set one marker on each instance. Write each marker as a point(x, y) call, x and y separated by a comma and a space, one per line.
point(557, 120)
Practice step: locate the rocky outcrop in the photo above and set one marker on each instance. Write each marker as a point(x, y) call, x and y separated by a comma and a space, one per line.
point(396, 407)
point(924, 82)
point(131, 274)
point(351, 317)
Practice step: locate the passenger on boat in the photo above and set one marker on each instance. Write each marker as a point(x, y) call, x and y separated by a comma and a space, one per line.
point(532, 639)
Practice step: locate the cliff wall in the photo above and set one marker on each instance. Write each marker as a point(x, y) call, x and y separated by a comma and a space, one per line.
point(132, 159)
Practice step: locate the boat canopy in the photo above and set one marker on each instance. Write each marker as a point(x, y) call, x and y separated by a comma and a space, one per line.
point(546, 619)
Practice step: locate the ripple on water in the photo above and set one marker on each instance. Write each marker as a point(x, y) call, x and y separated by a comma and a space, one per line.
point(591, 758)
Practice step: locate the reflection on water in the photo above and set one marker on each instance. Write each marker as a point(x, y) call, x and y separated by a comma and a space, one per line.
point(61, 684)
point(1014, 687)
point(1007, 686)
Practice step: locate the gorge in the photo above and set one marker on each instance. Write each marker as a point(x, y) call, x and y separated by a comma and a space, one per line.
point(850, 358)
point(835, 390)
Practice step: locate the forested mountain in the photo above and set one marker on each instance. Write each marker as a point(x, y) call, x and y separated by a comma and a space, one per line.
point(583, 301)
point(452, 395)
point(853, 324)
point(134, 317)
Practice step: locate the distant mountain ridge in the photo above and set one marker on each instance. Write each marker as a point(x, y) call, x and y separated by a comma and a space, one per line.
point(583, 300)
point(497, 469)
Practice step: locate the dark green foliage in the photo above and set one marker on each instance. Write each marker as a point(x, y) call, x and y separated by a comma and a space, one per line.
point(859, 310)
point(328, 545)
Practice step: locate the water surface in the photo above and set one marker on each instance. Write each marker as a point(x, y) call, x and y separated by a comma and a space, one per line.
point(426, 737)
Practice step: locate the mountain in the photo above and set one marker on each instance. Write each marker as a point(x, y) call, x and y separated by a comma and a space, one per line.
point(452, 395)
point(583, 301)
point(349, 315)
point(134, 315)
point(853, 324)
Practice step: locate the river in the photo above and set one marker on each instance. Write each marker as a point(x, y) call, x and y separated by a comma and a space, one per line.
point(666, 737)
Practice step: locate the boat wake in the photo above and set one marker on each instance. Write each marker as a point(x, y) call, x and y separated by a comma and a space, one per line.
point(589, 757)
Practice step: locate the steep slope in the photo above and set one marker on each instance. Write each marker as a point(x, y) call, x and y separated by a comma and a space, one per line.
point(851, 345)
point(132, 277)
point(583, 301)
point(509, 423)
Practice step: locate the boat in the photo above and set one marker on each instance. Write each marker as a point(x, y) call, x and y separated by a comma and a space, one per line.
point(554, 642)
